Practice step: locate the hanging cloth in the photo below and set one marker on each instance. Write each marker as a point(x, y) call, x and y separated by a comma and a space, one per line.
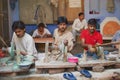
point(110, 6)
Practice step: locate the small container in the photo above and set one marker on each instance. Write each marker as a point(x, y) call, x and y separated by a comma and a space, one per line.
point(73, 59)
point(25, 65)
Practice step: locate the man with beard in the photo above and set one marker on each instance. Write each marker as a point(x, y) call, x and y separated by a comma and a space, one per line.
point(22, 41)
point(90, 38)
point(62, 35)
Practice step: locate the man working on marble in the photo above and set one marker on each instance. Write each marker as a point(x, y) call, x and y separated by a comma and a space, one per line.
point(23, 42)
point(62, 35)
point(41, 32)
point(90, 38)
point(63, 43)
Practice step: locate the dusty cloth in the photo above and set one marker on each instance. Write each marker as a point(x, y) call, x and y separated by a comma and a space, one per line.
point(110, 5)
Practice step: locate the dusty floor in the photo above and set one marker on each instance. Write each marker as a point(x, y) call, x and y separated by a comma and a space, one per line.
point(106, 75)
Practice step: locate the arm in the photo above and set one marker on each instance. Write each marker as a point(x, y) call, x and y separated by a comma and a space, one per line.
point(99, 40)
point(86, 26)
point(82, 38)
point(70, 41)
point(47, 33)
point(85, 45)
point(30, 47)
point(91, 48)
point(83, 25)
point(74, 25)
point(34, 34)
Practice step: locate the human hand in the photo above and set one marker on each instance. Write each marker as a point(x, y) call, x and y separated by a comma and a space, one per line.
point(37, 36)
point(49, 35)
point(81, 29)
point(55, 47)
point(91, 48)
point(66, 42)
point(23, 53)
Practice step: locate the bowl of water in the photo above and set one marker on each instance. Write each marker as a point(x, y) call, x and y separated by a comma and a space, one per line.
point(25, 64)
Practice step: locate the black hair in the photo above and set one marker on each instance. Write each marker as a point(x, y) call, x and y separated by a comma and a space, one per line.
point(92, 22)
point(18, 25)
point(62, 19)
point(81, 13)
point(41, 25)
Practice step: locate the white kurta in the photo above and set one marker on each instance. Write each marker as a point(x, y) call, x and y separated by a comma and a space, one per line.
point(25, 44)
point(35, 33)
point(77, 24)
point(66, 36)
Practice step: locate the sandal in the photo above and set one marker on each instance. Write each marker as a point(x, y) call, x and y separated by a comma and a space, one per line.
point(69, 76)
point(86, 73)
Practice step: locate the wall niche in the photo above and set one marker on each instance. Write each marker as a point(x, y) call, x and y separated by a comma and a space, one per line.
point(35, 11)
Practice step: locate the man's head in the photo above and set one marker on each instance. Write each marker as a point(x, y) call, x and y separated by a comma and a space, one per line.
point(41, 27)
point(81, 16)
point(62, 23)
point(92, 25)
point(19, 28)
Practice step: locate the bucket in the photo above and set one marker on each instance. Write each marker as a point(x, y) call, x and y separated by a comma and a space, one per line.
point(73, 59)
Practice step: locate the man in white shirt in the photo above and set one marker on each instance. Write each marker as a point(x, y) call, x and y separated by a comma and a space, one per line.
point(61, 35)
point(79, 24)
point(41, 32)
point(22, 41)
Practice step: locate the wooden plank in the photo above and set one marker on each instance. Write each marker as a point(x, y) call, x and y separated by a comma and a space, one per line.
point(56, 70)
point(117, 65)
point(55, 67)
point(96, 65)
point(56, 64)
point(98, 68)
point(39, 70)
point(53, 70)
point(9, 71)
point(92, 63)
point(43, 40)
point(69, 69)
point(8, 74)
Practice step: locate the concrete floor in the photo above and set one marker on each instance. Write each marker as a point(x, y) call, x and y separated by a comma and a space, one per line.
point(106, 75)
